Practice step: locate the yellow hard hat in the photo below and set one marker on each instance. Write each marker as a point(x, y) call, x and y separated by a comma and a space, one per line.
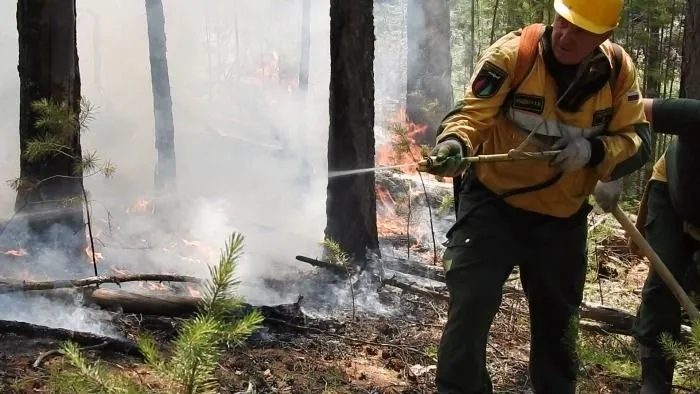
point(596, 16)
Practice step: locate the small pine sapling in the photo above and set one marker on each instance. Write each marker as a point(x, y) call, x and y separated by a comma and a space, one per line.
point(195, 352)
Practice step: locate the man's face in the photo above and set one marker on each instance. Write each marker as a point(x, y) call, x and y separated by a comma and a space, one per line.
point(571, 44)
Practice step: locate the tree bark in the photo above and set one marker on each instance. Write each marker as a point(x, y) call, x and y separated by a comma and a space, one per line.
point(429, 94)
point(305, 44)
point(48, 69)
point(351, 206)
point(165, 171)
point(690, 65)
point(652, 81)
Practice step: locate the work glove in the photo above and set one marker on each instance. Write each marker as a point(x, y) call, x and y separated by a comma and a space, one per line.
point(607, 194)
point(575, 153)
point(448, 159)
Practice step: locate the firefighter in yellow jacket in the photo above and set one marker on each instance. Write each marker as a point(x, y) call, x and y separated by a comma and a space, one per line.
point(533, 213)
point(669, 217)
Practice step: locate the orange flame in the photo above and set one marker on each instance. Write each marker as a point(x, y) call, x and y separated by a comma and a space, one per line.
point(119, 271)
point(98, 255)
point(16, 252)
point(141, 206)
point(193, 292)
point(402, 147)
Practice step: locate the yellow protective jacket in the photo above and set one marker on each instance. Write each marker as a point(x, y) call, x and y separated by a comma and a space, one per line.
point(490, 119)
point(658, 173)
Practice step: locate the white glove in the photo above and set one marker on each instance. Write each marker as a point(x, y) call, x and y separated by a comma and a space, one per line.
point(575, 154)
point(607, 194)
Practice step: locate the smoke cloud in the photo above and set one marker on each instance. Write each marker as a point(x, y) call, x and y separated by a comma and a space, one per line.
point(250, 147)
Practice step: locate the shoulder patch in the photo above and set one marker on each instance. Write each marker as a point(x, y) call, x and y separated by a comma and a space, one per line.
point(602, 117)
point(488, 81)
point(530, 103)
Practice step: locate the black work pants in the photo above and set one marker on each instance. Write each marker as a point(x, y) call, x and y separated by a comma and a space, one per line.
point(659, 310)
point(482, 252)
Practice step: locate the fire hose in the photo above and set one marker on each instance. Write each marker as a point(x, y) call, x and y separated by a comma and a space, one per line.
point(429, 161)
point(655, 261)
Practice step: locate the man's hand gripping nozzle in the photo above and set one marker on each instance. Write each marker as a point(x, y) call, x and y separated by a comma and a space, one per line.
point(430, 162)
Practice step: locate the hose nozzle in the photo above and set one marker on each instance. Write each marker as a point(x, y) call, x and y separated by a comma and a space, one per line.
point(429, 162)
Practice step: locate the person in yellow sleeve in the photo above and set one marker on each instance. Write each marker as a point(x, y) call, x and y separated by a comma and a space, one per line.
point(533, 213)
point(670, 221)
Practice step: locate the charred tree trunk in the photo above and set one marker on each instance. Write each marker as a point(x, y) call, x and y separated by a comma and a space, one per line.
point(429, 93)
point(351, 206)
point(50, 188)
point(305, 44)
point(690, 66)
point(165, 171)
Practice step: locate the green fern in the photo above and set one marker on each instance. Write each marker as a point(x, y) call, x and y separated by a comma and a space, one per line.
point(196, 349)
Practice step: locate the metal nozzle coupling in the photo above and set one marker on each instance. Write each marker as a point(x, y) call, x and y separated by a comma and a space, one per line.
point(427, 162)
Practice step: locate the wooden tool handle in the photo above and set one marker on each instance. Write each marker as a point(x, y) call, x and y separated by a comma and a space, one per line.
point(656, 264)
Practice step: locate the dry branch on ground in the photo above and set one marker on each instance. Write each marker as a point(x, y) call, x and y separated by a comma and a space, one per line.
point(13, 286)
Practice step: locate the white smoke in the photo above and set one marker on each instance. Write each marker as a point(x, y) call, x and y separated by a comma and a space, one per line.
point(250, 147)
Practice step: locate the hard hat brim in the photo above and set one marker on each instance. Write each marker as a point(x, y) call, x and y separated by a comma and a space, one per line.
point(580, 21)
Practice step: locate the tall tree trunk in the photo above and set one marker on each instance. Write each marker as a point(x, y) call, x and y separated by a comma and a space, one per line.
point(351, 205)
point(429, 65)
point(472, 37)
point(652, 72)
point(165, 171)
point(305, 44)
point(690, 66)
point(48, 69)
point(652, 79)
point(493, 23)
point(669, 63)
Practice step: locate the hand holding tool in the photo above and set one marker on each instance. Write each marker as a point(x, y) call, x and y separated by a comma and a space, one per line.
point(429, 162)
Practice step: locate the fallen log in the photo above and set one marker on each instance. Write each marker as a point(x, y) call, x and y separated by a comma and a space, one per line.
point(418, 290)
point(82, 338)
point(178, 305)
point(413, 268)
point(620, 320)
point(395, 264)
point(617, 320)
point(146, 304)
point(168, 305)
point(8, 287)
point(335, 268)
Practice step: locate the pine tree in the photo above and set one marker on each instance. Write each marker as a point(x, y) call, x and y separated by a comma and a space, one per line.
point(196, 350)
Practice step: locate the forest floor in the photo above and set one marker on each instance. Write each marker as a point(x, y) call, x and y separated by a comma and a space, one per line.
point(366, 353)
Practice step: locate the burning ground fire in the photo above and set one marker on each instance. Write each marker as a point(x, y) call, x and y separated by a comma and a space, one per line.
point(110, 261)
point(401, 147)
point(393, 217)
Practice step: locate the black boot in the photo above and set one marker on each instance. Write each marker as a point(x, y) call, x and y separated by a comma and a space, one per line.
point(657, 375)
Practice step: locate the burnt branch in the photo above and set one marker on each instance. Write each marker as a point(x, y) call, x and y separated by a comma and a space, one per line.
point(82, 338)
point(335, 268)
point(95, 280)
point(418, 290)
